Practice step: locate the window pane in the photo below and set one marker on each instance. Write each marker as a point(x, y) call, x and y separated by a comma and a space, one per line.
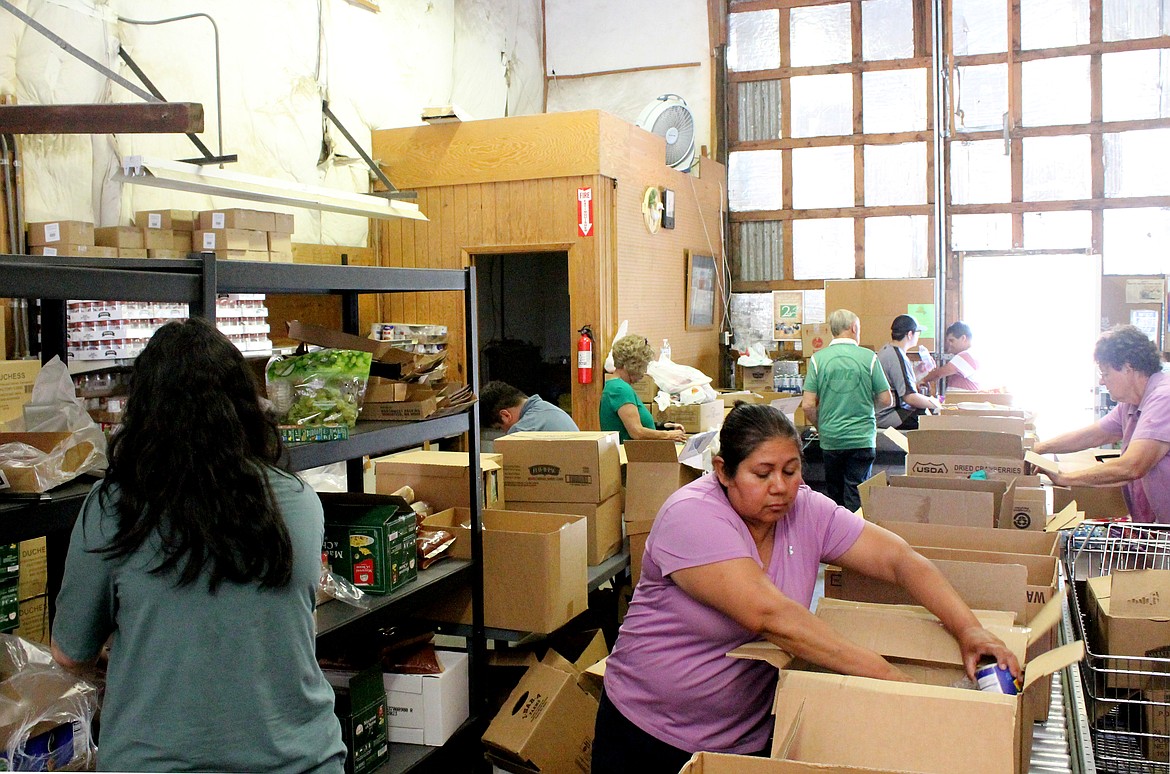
point(1136, 164)
point(981, 173)
point(895, 174)
point(1057, 230)
point(1133, 85)
point(1129, 19)
point(820, 35)
point(887, 29)
point(981, 232)
point(896, 247)
point(759, 250)
point(1056, 168)
point(1051, 23)
point(758, 110)
point(1135, 241)
point(1056, 91)
point(822, 177)
point(754, 180)
point(979, 26)
point(753, 40)
point(982, 97)
point(823, 249)
point(822, 104)
point(893, 101)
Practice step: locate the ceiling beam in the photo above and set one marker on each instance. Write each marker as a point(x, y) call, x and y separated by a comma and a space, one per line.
point(117, 118)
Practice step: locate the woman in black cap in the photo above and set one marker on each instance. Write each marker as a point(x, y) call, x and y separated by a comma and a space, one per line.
point(908, 402)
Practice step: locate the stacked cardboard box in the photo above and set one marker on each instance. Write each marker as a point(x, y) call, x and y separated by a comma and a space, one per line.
point(166, 233)
point(31, 592)
point(694, 417)
point(242, 234)
point(653, 473)
point(568, 473)
point(66, 237)
point(440, 478)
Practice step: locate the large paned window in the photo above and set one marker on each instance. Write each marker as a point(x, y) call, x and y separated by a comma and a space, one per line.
point(1050, 133)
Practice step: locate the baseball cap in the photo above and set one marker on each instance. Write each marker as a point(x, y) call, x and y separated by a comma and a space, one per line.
point(902, 325)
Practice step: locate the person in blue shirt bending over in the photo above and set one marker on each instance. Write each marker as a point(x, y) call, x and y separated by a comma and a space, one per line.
point(506, 408)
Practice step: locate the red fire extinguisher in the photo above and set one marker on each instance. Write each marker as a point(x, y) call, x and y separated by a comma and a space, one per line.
point(585, 356)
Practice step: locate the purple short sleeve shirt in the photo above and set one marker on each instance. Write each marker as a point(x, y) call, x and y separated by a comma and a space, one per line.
point(669, 673)
point(1148, 497)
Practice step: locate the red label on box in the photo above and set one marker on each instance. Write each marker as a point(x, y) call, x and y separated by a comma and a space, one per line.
point(363, 572)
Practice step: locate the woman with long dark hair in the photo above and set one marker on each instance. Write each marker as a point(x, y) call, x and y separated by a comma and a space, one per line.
point(201, 558)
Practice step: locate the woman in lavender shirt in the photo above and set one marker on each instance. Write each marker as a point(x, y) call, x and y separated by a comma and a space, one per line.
point(1131, 369)
point(731, 558)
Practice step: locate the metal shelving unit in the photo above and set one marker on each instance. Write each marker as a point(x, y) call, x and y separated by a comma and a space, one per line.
point(196, 281)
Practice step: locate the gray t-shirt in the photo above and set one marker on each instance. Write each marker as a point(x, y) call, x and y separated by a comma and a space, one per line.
point(202, 682)
point(541, 416)
point(901, 382)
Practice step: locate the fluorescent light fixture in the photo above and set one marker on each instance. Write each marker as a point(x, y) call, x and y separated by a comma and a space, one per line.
point(181, 176)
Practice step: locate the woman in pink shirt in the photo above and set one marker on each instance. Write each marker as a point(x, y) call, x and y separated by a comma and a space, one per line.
point(731, 558)
point(1131, 369)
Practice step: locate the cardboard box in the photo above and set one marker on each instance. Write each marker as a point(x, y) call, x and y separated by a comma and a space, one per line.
point(283, 222)
point(604, 522)
point(77, 251)
point(33, 618)
point(275, 257)
point(256, 255)
point(646, 388)
point(973, 396)
point(236, 218)
point(827, 718)
point(221, 239)
point(1157, 724)
point(440, 478)
point(814, 337)
point(546, 725)
point(417, 402)
point(34, 569)
point(950, 453)
point(18, 476)
point(360, 705)
point(16, 382)
point(228, 255)
point(965, 421)
point(561, 467)
point(720, 763)
point(169, 220)
point(653, 473)
point(695, 418)
point(961, 508)
point(379, 390)
point(183, 241)
point(166, 254)
point(638, 531)
point(370, 540)
point(119, 236)
point(535, 573)
point(754, 377)
point(258, 241)
point(132, 252)
point(157, 238)
point(975, 539)
point(427, 709)
point(880, 511)
point(278, 243)
point(1129, 612)
point(67, 232)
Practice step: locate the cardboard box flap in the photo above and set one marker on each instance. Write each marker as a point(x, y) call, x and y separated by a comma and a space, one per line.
point(983, 586)
point(1052, 661)
point(960, 421)
point(650, 451)
point(898, 438)
point(978, 538)
point(966, 442)
point(783, 743)
point(1068, 518)
point(762, 650)
point(986, 617)
point(1041, 569)
point(1046, 618)
point(1140, 594)
point(439, 464)
point(1041, 463)
point(932, 506)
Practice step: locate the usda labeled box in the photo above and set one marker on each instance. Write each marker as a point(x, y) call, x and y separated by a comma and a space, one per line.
point(580, 467)
point(427, 709)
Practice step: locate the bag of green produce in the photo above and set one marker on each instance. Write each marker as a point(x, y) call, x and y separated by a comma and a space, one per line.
point(320, 388)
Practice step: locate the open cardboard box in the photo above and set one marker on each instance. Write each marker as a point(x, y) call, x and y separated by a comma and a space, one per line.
point(388, 361)
point(859, 721)
point(28, 476)
point(604, 522)
point(949, 453)
point(1129, 611)
point(694, 417)
point(653, 473)
point(534, 569)
point(440, 477)
point(419, 401)
point(975, 539)
point(1096, 502)
point(546, 725)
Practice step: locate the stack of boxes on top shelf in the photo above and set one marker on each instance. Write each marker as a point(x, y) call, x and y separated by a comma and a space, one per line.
point(245, 235)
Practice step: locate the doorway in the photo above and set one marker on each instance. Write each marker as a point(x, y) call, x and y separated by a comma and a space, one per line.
point(525, 335)
point(1035, 318)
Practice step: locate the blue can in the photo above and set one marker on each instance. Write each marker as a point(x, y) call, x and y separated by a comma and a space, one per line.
point(989, 677)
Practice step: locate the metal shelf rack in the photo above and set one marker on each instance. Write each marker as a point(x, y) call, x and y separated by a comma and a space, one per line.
point(196, 281)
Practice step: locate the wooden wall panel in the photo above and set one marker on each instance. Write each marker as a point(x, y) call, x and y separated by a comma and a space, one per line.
point(651, 268)
point(319, 309)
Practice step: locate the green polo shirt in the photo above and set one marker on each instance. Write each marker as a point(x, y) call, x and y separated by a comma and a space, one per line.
point(846, 378)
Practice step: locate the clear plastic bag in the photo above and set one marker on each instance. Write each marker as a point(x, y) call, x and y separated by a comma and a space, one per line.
point(333, 586)
point(324, 387)
point(46, 713)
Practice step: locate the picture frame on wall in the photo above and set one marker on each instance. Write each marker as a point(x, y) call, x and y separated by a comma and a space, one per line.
point(700, 289)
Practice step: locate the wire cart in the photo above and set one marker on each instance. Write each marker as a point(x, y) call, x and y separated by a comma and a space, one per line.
point(1127, 697)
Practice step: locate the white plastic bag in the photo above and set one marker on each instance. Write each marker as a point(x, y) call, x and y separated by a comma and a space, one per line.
point(755, 356)
point(621, 331)
point(674, 378)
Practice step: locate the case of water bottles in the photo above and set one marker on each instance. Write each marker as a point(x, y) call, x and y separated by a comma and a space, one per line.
point(786, 377)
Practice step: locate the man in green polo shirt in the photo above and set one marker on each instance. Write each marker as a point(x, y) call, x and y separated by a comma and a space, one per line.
point(844, 385)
